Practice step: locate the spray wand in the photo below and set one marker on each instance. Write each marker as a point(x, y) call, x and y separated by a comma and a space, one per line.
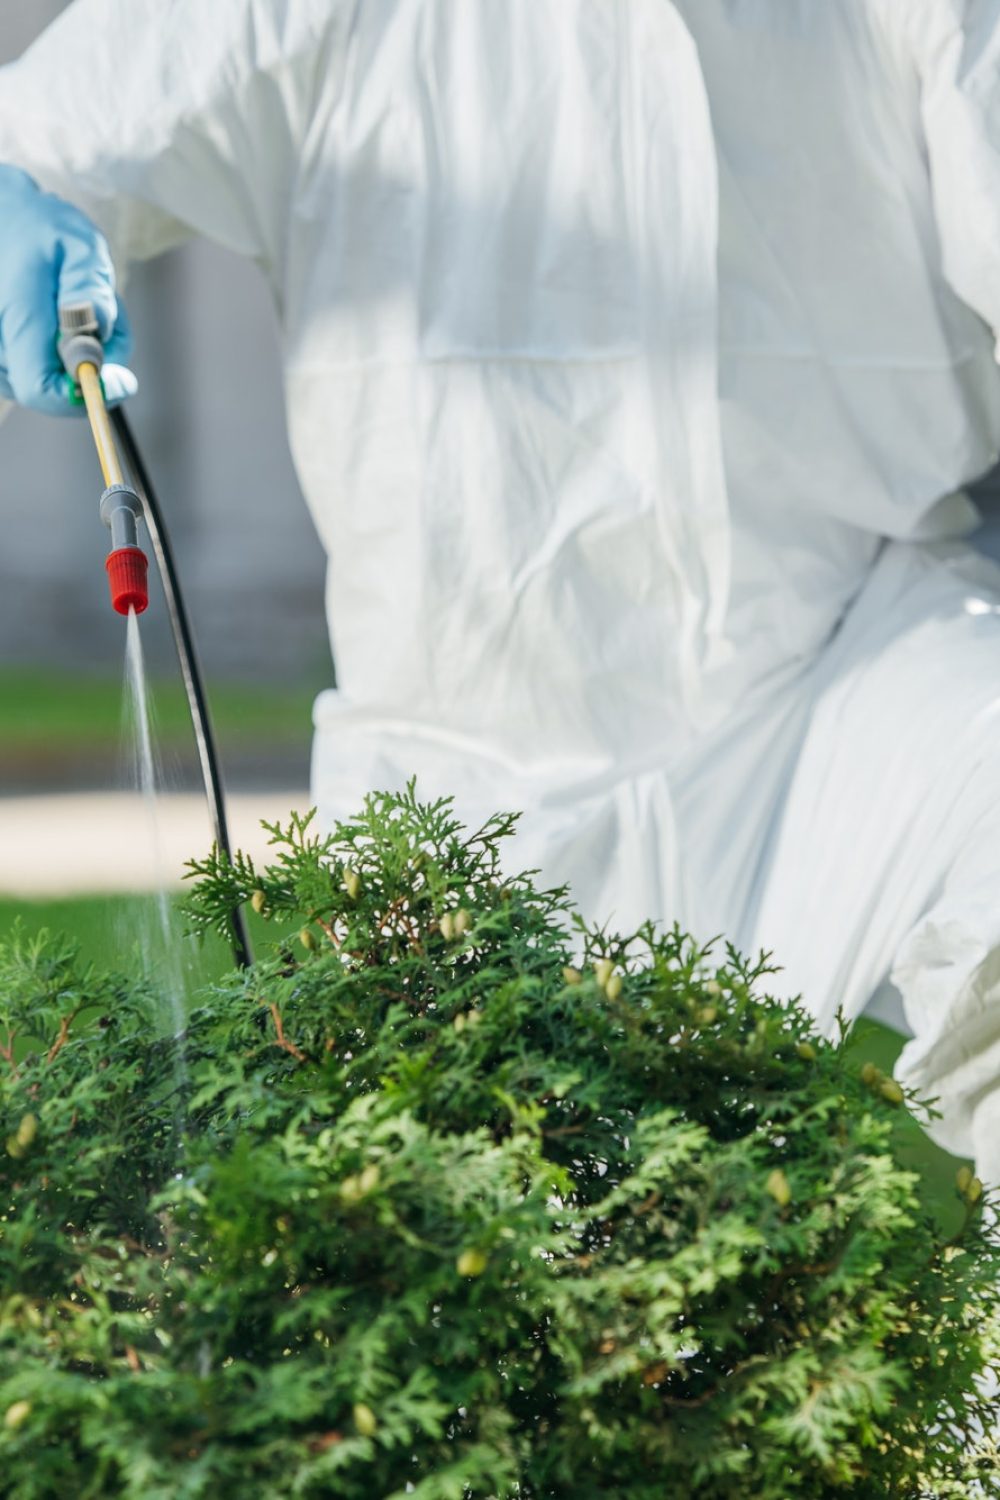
point(122, 504)
point(81, 352)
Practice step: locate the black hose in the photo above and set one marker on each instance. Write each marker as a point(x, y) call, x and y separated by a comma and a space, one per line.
point(187, 655)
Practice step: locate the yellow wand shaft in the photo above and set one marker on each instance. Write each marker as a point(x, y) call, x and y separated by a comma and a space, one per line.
point(89, 382)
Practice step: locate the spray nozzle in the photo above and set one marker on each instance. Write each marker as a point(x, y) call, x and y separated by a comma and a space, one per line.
point(126, 565)
point(128, 572)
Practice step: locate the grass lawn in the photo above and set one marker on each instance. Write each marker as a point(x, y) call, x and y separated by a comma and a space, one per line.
point(871, 1041)
point(85, 712)
point(108, 929)
point(104, 926)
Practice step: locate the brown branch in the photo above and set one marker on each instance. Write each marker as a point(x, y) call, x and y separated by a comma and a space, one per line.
point(647, 1204)
point(329, 930)
point(689, 1403)
point(63, 1037)
point(7, 1053)
point(788, 1272)
point(396, 921)
point(280, 1039)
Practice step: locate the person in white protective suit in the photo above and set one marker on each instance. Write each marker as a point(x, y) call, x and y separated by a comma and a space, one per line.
point(636, 355)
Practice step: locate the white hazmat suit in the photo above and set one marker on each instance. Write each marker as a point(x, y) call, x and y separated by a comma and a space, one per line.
point(635, 355)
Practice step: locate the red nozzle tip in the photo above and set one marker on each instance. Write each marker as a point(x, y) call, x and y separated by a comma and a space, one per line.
point(127, 569)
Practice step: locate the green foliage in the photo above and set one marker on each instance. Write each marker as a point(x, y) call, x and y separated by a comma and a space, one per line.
point(430, 1207)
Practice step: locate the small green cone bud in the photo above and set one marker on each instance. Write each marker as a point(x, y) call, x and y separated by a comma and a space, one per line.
point(459, 1022)
point(14, 1148)
point(712, 987)
point(368, 1181)
point(447, 926)
point(806, 1051)
point(963, 1177)
point(259, 901)
point(870, 1074)
point(352, 882)
point(891, 1091)
point(308, 939)
point(473, 1017)
point(16, 1414)
point(974, 1191)
point(27, 1130)
point(603, 970)
point(365, 1420)
point(708, 1015)
point(463, 921)
point(614, 987)
point(571, 975)
point(471, 1263)
point(777, 1186)
point(353, 1189)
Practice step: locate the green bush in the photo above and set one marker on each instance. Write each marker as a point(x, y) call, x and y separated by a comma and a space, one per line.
point(427, 1207)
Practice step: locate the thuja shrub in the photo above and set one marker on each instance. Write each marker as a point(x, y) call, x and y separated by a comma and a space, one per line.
point(455, 1198)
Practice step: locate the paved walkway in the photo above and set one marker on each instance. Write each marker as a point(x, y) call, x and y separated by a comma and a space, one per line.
point(97, 842)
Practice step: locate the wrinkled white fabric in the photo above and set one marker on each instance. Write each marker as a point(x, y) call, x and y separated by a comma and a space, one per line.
point(888, 839)
point(491, 232)
point(636, 356)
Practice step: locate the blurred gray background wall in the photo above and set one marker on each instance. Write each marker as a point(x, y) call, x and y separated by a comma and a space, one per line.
point(210, 420)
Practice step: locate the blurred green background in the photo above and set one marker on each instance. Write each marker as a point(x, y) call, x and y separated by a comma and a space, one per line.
point(62, 730)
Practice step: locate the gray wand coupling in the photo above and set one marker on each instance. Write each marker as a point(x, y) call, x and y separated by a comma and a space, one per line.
point(79, 338)
point(127, 567)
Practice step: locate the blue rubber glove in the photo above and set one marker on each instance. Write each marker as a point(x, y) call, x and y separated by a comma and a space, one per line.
point(51, 254)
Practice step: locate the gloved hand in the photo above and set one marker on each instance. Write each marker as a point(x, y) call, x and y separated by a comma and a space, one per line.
point(51, 254)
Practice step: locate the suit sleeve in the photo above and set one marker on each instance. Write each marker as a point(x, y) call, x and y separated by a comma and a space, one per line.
point(956, 46)
point(166, 118)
